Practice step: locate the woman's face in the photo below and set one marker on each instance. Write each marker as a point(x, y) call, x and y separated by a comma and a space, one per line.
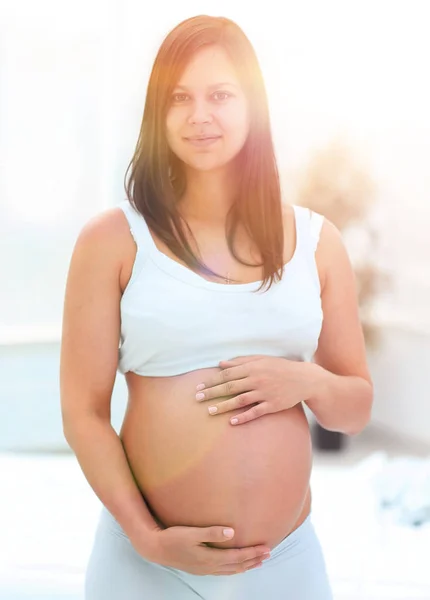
point(207, 122)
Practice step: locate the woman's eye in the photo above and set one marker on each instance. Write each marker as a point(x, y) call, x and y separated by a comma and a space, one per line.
point(222, 96)
point(179, 97)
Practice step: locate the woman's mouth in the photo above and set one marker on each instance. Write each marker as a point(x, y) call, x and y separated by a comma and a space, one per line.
point(203, 141)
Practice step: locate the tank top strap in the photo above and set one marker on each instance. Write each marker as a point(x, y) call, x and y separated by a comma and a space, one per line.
point(138, 229)
point(308, 228)
point(315, 225)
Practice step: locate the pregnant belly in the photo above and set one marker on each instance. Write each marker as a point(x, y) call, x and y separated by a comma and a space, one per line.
point(195, 469)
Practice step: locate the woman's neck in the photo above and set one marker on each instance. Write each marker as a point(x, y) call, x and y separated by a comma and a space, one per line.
point(208, 196)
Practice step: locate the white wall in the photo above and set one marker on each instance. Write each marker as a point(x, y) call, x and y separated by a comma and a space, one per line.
point(400, 368)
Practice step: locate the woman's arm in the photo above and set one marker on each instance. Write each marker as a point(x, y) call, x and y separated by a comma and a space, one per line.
point(89, 355)
point(343, 390)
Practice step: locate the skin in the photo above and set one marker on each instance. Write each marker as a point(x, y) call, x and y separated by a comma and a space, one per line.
point(193, 468)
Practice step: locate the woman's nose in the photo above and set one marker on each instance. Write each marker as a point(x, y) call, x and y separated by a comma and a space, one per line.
point(200, 113)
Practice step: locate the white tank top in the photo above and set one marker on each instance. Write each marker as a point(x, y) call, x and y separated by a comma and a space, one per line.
point(174, 321)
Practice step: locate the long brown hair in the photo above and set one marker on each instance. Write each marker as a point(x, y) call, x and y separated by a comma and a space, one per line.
point(156, 177)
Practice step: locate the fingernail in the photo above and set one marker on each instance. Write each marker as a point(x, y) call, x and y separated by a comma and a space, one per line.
point(212, 410)
point(234, 421)
point(200, 396)
point(228, 532)
point(201, 386)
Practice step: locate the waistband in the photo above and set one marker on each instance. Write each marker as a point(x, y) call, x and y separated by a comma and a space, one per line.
point(304, 531)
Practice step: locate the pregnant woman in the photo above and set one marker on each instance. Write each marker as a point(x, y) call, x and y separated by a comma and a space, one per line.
point(225, 310)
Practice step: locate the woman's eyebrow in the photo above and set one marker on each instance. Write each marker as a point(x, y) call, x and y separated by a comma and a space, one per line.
point(212, 86)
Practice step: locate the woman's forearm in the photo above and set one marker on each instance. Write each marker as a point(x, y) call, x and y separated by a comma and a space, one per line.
point(103, 461)
point(340, 402)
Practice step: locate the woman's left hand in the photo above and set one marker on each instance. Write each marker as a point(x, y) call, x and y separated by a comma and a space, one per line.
point(271, 383)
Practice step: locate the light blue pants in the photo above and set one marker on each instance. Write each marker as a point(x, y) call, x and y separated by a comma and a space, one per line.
point(295, 571)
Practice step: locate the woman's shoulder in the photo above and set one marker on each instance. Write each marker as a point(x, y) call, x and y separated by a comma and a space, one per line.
point(104, 225)
point(107, 228)
point(326, 238)
point(325, 232)
point(107, 236)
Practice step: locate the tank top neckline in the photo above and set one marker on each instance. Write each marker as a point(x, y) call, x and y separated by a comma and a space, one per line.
point(179, 271)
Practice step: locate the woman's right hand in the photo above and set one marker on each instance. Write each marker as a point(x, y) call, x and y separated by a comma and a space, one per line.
point(183, 548)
